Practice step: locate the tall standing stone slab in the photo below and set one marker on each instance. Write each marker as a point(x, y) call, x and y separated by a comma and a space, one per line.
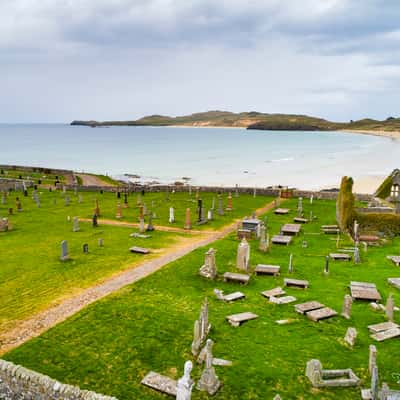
point(64, 251)
point(220, 206)
point(188, 221)
point(229, 206)
point(243, 255)
point(209, 269)
point(263, 245)
point(97, 208)
point(171, 219)
point(390, 308)
point(347, 303)
point(118, 214)
point(372, 358)
point(76, 225)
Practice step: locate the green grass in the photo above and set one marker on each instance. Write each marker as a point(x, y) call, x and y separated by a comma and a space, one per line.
point(109, 346)
point(32, 277)
point(46, 179)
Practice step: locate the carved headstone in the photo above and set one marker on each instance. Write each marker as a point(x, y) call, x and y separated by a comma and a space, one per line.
point(357, 259)
point(188, 222)
point(142, 228)
point(390, 307)
point(350, 337)
point(64, 251)
point(150, 226)
point(347, 303)
point(171, 219)
point(243, 255)
point(76, 225)
point(220, 206)
point(263, 246)
point(209, 269)
point(209, 381)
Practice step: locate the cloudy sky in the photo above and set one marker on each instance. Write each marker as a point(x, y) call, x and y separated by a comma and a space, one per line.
point(121, 59)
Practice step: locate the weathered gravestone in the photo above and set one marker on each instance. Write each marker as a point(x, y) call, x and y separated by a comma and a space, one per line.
point(347, 303)
point(185, 384)
point(243, 255)
point(188, 222)
point(75, 227)
point(209, 381)
point(64, 251)
point(209, 269)
point(94, 221)
point(351, 336)
point(85, 248)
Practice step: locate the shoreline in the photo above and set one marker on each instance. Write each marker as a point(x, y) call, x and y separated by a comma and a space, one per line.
point(388, 134)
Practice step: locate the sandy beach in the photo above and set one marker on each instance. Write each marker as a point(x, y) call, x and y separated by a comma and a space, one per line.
point(393, 135)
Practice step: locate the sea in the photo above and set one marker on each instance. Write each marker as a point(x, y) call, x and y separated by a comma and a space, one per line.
point(202, 156)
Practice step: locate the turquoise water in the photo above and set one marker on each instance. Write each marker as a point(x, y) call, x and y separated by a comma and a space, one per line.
point(219, 156)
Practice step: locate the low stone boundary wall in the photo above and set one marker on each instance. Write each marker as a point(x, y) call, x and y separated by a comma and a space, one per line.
point(20, 383)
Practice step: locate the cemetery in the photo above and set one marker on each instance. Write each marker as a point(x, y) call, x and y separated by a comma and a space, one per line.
point(272, 314)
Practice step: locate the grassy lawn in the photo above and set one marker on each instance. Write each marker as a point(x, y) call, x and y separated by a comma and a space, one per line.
point(110, 345)
point(46, 179)
point(32, 277)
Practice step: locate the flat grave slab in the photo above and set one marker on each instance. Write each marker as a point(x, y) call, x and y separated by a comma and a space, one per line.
point(330, 229)
point(160, 382)
point(296, 283)
point(394, 259)
point(281, 211)
point(388, 334)
point(308, 306)
point(384, 326)
point(140, 235)
point(369, 238)
point(291, 229)
point(321, 313)
point(234, 296)
point(340, 256)
point(282, 300)
point(281, 239)
point(139, 250)
point(364, 291)
point(235, 277)
point(238, 319)
point(395, 282)
point(300, 220)
point(278, 291)
point(263, 269)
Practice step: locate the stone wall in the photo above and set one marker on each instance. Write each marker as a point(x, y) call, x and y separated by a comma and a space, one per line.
point(42, 170)
point(17, 382)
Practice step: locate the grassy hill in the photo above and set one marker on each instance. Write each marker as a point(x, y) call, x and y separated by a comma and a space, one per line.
point(253, 120)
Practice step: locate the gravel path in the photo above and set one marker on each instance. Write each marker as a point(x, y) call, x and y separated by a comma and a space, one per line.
point(91, 180)
point(41, 322)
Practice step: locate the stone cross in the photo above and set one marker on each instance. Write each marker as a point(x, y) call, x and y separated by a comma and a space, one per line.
point(390, 307)
point(326, 269)
point(185, 384)
point(220, 206)
point(171, 215)
point(188, 222)
point(119, 211)
point(209, 381)
point(263, 246)
point(290, 263)
point(351, 336)
point(372, 358)
point(229, 206)
point(347, 303)
point(243, 255)
point(64, 250)
point(76, 225)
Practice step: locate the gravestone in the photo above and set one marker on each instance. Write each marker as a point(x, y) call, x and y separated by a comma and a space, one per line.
point(255, 192)
point(125, 200)
point(141, 212)
point(213, 204)
point(243, 255)
point(291, 264)
point(200, 210)
point(4, 225)
point(118, 214)
point(94, 221)
point(237, 319)
point(375, 383)
point(118, 194)
point(236, 190)
point(209, 381)
point(100, 242)
point(311, 199)
point(67, 201)
point(86, 248)
point(326, 269)
point(351, 336)
point(372, 358)
point(171, 219)
point(142, 228)
point(357, 259)
point(210, 215)
point(263, 245)
point(19, 205)
point(347, 303)
point(201, 329)
point(300, 206)
point(188, 222)
point(10, 211)
point(229, 206)
point(64, 251)
point(144, 209)
point(76, 225)
point(220, 206)
point(185, 384)
point(390, 308)
point(209, 269)
point(150, 226)
point(97, 208)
